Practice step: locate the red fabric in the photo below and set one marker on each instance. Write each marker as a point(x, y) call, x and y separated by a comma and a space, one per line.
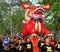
point(29, 28)
point(35, 44)
point(44, 30)
point(52, 43)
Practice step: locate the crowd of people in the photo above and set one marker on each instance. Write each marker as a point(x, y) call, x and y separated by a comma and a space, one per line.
point(19, 44)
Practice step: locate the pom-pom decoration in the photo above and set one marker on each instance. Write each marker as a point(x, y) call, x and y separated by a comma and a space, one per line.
point(47, 6)
point(25, 5)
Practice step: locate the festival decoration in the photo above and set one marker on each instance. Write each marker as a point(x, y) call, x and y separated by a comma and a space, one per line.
point(47, 6)
point(33, 22)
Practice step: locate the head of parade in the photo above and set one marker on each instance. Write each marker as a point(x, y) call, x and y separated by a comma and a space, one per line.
point(35, 11)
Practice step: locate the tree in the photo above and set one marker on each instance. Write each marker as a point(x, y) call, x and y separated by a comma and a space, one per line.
point(11, 18)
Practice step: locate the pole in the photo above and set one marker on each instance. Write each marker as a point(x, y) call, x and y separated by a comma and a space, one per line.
point(11, 26)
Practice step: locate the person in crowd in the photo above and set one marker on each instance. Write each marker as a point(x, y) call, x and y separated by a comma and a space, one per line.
point(57, 47)
point(28, 45)
point(11, 38)
point(1, 46)
point(6, 46)
point(47, 47)
point(23, 40)
point(52, 41)
point(41, 42)
point(12, 47)
point(20, 45)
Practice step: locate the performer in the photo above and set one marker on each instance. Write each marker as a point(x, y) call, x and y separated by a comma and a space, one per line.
point(33, 21)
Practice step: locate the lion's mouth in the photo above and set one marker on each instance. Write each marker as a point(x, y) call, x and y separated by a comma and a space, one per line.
point(38, 13)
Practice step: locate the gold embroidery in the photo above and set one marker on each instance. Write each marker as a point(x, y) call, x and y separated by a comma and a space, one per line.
point(58, 45)
point(20, 47)
point(42, 44)
point(49, 49)
point(28, 45)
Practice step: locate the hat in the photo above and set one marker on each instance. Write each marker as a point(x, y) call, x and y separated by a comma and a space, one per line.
point(6, 42)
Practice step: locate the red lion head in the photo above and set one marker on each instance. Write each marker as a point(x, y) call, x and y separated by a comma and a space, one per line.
point(36, 11)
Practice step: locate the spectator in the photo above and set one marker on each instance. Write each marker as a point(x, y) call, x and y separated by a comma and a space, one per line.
point(47, 47)
point(57, 47)
point(12, 47)
point(52, 41)
point(41, 43)
point(6, 46)
point(20, 45)
point(1, 47)
point(29, 45)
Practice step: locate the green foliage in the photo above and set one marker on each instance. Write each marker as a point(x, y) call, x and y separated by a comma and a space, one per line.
point(17, 21)
point(1, 27)
point(8, 19)
point(52, 23)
